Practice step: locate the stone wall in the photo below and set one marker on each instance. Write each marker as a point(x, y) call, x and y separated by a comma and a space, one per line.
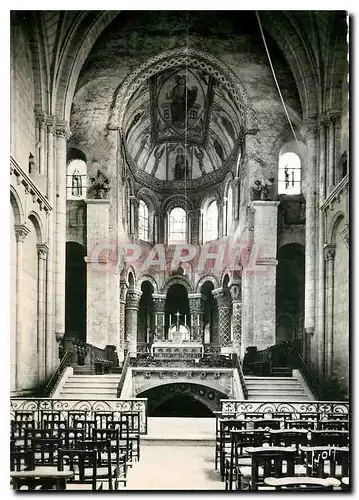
point(22, 96)
point(341, 311)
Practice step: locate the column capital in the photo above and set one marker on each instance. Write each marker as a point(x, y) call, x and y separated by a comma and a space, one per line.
point(333, 115)
point(133, 298)
point(235, 288)
point(63, 129)
point(310, 126)
point(40, 116)
point(221, 297)
point(21, 231)
point(50, 123)
point(42, 251)
point(329, 252)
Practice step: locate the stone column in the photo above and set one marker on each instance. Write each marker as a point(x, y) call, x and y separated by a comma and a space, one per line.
point(215, 331)
point(224, 317)
point(221, 207)
point(122, 325)
point(21, 231)
point(235, 287)
point(310, 233)
point(98, 269)
point(62, 134)
point(333, 116)
point(134, 203)
point(329, 256)
point(236, 198)
point(321, 189)
point(132, 303)
point(159, 315)
point(195, 216)
point(42, 252)
point(196, 314)
point(264, 273)
point(52, 353)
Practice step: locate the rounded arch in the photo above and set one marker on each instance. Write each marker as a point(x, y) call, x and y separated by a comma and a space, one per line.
point(183, 385)
point(226, 276)
point(173, 58)
point(332, 233)
point(177, 200)
point(16, 206)
point(35, 219)
point(150, 198)
point(75, 153)
point(208, 277)
point(131, 277)
point(87, 27)
point(146, 277)
point(177, 280)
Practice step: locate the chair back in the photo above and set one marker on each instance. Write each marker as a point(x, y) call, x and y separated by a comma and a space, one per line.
point(322, 461)
point(82, 462)
point(271, 461)
point(22, 460)
point(329, 437)
point(45, 450)
point(70, 437)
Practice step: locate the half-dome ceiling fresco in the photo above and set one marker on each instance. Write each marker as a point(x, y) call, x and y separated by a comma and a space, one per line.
point(182, 125)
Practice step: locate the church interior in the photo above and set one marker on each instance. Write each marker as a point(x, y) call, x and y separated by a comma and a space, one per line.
point(179, 226)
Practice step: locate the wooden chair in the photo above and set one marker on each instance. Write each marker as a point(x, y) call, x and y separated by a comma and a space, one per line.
point(325, 438)
point(240, 440)
point(118, 460)
point(103, 418)
point(106, 472)
point(87, 425)
point(335, 416)
point(18, 427)
point(49, 416)
point(300, 424)
point(266, 423)
point(133, 420)
point(55, 425)
point(223, 446)
point(30, 434)
point(22, 460)
point(125, 441)
point(324, 461)
point(84, 465)
point(273, 461)
point(73, 415)
point(301, 483)
point(290, 437)
point(71, 437)
point(333, 425)
point(24, 415)
point(45, 451)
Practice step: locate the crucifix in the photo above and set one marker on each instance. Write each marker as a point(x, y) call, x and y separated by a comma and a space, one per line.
point(178, 316)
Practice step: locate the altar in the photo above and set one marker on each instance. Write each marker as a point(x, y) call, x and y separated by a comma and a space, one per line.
point(178, 344)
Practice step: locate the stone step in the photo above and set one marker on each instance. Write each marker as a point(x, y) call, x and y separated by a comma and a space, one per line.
point(270, 379)
point(289, 398)
point(95, 390)
point(96, 383)
point(280, 390)
point(273, 384)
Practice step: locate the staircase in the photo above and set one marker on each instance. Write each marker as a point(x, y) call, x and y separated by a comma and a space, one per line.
point(90, 387)
point(289, 388)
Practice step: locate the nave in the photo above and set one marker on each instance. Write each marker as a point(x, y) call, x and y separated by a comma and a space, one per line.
point(261, 446)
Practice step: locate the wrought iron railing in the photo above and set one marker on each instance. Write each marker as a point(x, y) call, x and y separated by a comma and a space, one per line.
point(38, 405)
point(295, 408)
point(237, 364)
point(56, 376)
point(126, 364)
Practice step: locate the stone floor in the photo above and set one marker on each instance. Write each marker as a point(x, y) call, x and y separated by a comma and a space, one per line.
point(177, 454)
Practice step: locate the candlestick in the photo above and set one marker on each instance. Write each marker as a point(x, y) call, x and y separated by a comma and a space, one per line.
point(185, 320)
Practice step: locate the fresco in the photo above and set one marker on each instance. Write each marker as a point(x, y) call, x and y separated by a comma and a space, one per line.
point(181, 102)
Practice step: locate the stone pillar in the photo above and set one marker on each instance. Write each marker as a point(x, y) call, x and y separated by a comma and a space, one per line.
point(196, 314)
point(98, 269)
point(331, 150)
point(42, 252)
point(329, 256)
point(320, 327)
point(236, 198)
point(221, 207)
point(310, 233)
point(21, 231)
point(52, 353)
point(159, 315)
point(215, 331)
point(132, 303)
point(134, 203)
point(224, 316)
point(61, 138)
point(235, 287)
point(122, 325)
point(264, 274)
point(195, 217)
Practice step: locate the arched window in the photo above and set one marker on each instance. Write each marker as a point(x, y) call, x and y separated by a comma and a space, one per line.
point(177, 226)
point(289, 174)
point(143, 221)
point(229, 210)
point(76, 183)
point(210, 222)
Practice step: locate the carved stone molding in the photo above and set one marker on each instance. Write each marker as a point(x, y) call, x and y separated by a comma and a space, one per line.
point(344, 233)
point(133, 299)
point(42, 251)
point(222, 298)
point(329, 252)
point(62, 129)
point(21, 231)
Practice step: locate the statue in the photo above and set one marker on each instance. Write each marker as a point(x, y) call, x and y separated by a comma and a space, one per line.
point(100, 185)
point(76, 183)
point(181, 165)
point(262, 189)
